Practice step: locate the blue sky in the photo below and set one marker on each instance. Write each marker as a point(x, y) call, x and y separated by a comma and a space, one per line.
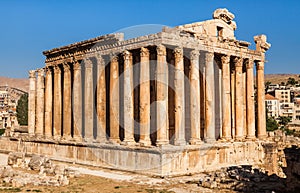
point(30, 27)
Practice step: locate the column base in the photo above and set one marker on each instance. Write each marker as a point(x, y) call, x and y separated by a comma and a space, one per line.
point(179, 142)
point(77, 139)
point(262, 136)
point(162, 143)
point(129, 142)
point(57, 138)
point(145, 142)
point(239, 138)
point(209, 140)
point(101, 140)
point(195, 141)
point(115, 141)
point(250, 138)
point(88, 140)
point(67, 138)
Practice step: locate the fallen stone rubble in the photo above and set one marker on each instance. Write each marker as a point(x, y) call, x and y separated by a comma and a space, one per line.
point(243, 179)
point(48, 174)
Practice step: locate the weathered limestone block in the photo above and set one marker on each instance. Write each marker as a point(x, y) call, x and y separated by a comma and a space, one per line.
point(16, 159)
point(37, 161)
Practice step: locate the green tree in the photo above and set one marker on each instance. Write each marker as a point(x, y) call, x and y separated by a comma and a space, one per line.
point(271, 124)
point(22, 110)
point(284, 121)
point(291, 81)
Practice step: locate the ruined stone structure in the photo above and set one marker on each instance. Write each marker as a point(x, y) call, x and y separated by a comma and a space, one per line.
point(154, 103)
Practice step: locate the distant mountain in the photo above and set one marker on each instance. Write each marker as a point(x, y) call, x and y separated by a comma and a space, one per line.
point(278, 78)
point(20, 83)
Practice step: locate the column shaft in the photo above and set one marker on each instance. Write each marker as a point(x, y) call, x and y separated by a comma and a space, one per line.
point(162, 120)
point(114, 103)
point(88, 101)
point(145, 98)
point(239, 110)
point(209, 98)
point(67, 121)
point(195, 98)
point(261, 111)
point(128, 99)
point(226, 123)
point(57, 119)
point(179, 98)
point(101, 100)
point(31, 102)
point(48, 103)
point(39, 131)
point(250, 101)
point(77, 102)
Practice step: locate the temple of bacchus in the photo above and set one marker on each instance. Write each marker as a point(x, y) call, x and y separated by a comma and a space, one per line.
point(184, 100)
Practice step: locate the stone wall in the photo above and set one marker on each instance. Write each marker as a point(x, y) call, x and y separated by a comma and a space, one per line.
point(167, 161)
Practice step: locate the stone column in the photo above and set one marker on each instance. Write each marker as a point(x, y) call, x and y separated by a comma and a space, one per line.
point(226, 97)
point(162, 119)
point(114, 103)
point(239, 107)
point(179, 98)
point(145, 98)
point(57, 110)
point(233, 103)
point(195, 98)
point(67, 101)
point(209, 98)
point(48, 103)
point(77, 102)
point(39, 130)
point(31, 102)
point(101, 100)
point(128, 99)
point(261, 111)
point(250, 100)
point(88, 101)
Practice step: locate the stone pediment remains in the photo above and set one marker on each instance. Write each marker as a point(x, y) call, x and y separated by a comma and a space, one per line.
point(224, 15)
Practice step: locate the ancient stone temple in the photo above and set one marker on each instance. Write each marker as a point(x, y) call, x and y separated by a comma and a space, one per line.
point(175, 102)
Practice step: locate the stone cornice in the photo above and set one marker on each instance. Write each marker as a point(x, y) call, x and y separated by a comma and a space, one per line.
point(225, 47)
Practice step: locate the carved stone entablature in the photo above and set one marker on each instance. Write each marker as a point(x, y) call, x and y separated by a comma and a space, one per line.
point(261, 43)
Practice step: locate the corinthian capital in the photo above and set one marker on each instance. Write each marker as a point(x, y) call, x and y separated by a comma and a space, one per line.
point(238, 62)
point(178, 52)
point(225, 59)
point(260, 65)
point(127, 55)
point(161, 50)
point(144, 52)
point(32, 73)
point(209, 57)
point(249, 63)
point(194, 55)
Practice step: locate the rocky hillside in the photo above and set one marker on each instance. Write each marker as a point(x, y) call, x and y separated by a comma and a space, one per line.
point(20, 83)
point(278, 78)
